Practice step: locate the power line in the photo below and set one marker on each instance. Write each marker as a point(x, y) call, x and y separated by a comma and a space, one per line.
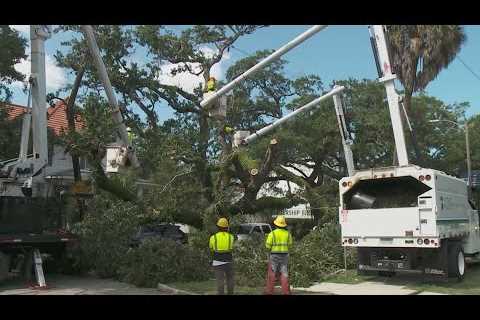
point(468, 68)
point(241, 51)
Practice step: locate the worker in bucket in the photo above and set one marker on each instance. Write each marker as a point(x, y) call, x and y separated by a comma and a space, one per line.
point(221, 245)
point(130, 135)
point(278, 242)
point(211, 84)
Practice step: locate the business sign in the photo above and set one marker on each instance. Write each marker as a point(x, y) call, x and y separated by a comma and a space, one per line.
point(297, 213)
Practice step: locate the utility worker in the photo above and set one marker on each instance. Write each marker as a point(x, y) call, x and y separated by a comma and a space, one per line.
point(278, 242)
point(130, 135)
point(221, 244)
point(211, 84)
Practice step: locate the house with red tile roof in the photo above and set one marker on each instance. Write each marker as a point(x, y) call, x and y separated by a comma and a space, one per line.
point(56, 116)
point(57, 121)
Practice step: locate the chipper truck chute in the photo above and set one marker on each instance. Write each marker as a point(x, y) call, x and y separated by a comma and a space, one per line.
point(406, 218)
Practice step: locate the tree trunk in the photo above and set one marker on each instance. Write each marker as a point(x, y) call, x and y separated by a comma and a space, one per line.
point(71, 128)
point(71, 121)
point(202, 166)
point(407, 103)
point(106, 184)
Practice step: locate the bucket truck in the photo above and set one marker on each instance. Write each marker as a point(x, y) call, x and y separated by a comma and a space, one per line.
point(406, 218)
point(31, 219)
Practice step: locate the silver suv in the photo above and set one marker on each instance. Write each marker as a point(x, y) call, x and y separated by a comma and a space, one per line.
point(250, 230)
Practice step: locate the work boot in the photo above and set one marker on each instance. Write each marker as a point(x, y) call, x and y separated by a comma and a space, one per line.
point(270, 281)
point(285, 284)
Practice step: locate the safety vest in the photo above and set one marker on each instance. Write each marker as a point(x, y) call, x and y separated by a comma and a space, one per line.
point(221, 243)
point(130, 136)
point(210, 85)
point(278, 241)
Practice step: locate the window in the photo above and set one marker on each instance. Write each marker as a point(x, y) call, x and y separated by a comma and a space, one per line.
point(244, 229)
point(256, 229)
point(83, 163)
point(266, 229)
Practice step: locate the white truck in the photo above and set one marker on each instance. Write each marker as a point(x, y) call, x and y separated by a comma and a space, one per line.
point(32, 222)
point(406, 218)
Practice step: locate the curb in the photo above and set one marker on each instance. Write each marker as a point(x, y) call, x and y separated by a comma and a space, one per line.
point(164, 287)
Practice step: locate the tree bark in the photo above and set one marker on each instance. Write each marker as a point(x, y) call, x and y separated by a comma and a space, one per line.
point(77, 175)
point(71, 121)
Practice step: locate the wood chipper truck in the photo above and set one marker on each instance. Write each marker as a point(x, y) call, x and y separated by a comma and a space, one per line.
point(406, 218)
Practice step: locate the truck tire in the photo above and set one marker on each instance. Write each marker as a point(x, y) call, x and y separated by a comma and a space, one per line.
point(456, 261)
point(4, 266)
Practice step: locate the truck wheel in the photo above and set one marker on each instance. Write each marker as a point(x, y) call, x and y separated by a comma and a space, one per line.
point(4, 266)
point(456, 261)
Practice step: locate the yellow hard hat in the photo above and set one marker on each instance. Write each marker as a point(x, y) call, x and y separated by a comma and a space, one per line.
point(280, 221)
point(212, 78)
point(222, 223)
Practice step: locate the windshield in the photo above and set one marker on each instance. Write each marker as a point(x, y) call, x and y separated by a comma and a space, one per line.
point(244, 229)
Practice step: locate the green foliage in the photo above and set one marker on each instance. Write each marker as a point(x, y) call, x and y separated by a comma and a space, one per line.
point(420, 52)
point(105, 234)
point(10, 135)
point(312, 258)
point(13, 50)
point(317, 255)
point(163, 261)
point(250, 258)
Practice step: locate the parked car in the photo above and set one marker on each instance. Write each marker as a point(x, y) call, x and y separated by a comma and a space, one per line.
point(159, 231)
point(252, 230)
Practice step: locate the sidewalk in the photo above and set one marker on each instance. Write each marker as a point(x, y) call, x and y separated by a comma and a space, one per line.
point(364, 288)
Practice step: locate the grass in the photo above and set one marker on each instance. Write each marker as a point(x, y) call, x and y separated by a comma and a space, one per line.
point(469, 286)
point(350, 277)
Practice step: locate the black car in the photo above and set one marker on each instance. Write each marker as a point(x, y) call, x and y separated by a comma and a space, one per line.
point(159, 231)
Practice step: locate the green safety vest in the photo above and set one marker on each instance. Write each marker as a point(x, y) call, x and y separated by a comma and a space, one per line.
point(131, 136)
point(278, 241)
point(210, 85)
point(221, 243)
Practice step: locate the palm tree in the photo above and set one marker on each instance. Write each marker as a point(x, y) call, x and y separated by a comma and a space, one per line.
point(419, 53)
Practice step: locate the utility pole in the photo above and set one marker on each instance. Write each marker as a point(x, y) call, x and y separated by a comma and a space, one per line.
point(469, 161)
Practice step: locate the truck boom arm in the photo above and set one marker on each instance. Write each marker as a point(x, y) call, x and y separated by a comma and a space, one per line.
point(388, 79)
point(346, 140)
point(102, 71)
point(291, 115)
point(38, 35)
point(275, 55)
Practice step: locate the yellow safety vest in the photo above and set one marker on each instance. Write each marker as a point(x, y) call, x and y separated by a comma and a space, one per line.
point(210, 85)
point(131, 136)
point(221, 242)
point(278, 241)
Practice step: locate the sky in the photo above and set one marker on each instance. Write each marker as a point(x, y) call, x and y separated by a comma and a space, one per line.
point(337, 52)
